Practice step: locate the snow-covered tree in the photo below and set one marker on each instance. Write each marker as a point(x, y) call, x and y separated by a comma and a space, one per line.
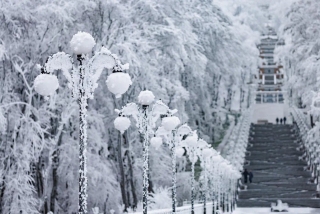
point(196, 56)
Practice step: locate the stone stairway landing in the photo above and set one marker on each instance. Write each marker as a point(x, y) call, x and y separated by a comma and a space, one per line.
point(273, 158)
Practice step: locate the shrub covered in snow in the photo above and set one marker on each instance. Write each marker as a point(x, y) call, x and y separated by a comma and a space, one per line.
point(82, 43)
point(160, 199)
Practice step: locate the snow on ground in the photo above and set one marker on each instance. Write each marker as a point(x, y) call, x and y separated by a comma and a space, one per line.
point(270, 111)
point(267, 211)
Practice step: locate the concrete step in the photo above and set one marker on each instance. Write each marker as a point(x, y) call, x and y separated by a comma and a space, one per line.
point(276, 185)
point(273, 157)
point(266, 202)
point(280, 193)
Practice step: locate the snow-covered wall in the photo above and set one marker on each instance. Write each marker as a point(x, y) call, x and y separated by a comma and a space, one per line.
point(269, 112)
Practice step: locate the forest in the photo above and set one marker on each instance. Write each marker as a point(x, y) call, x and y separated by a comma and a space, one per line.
point(199, 57)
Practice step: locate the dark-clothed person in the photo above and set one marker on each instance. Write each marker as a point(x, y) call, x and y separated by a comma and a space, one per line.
point(281, 121)
point(284, 120)
point(277, 120)
point(245, 176)
point(250, 177)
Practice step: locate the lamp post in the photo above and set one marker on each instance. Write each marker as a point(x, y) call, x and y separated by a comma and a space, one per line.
point(218, 174)
point(236, 175)
point(174, 137)
point(224, 182)
point(211, 182)
point(193, 146)
point(82, 80)
point(190, 143)
point(145, 117)
point(205, 153)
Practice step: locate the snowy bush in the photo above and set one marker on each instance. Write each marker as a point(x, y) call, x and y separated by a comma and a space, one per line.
point(46, 84)
point(160, 199)
point(82, 43)
point(95, 210)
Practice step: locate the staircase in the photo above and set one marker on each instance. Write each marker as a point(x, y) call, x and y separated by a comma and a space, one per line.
point(273, 157)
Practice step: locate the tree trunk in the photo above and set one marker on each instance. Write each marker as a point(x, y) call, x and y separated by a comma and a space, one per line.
point(55, 164)
point(54, 192)
point(122, 176)
point(133, 188)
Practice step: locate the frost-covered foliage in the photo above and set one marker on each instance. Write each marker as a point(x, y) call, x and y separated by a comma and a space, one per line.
point(160, 199)
point(197, 59)
point(300, 29)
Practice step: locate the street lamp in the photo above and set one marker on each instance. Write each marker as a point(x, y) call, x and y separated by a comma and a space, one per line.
point(82, 80)
point(173, 136)
point(226, 167)
point(190, 144)
point(145, 118)
point(205, 154)
point(193, 145)
point(218, 160)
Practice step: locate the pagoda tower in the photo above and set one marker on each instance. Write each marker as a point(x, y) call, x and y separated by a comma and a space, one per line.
point(270, 72)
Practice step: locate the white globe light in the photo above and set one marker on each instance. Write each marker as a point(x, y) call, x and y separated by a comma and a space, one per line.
point(216, 159)
point(202, 143)
point(184, 130)
point(82, 43)
point(179, 152)
point(118, 83)
point(146, 97)
point(170, 123)
point(46, 84)
point(206, 152)
point(192, 140)
point(122, 124)
point(156, 142)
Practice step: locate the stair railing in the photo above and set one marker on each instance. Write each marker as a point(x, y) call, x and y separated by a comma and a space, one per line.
point(311, 146)
point(235, 152)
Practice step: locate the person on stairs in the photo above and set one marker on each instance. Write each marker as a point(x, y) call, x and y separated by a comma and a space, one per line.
point(245, 175)
point(250, 176)
point(284, 120)
point(277, 120)
point(280, 120)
